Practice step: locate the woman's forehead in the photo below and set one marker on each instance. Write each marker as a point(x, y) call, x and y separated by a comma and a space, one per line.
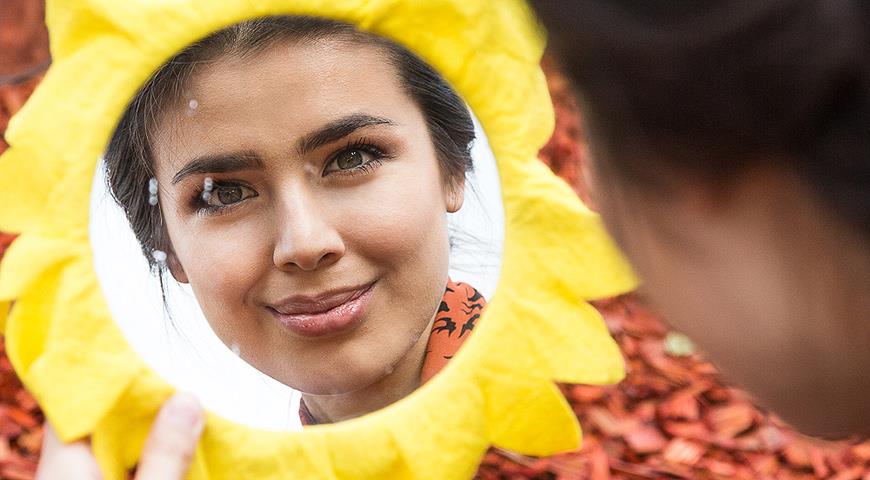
point(285, 92)
point(294, 68)
point(307, 81)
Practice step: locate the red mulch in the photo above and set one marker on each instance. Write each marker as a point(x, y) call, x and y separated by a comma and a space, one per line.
point(20, 425)
point(672, 417)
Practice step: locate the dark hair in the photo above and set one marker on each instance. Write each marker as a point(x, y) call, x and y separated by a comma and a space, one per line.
point(709, 89)
point(129, 157)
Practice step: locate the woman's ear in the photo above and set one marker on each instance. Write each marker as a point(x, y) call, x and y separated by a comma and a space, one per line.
point(455, 194)
point(175, 268)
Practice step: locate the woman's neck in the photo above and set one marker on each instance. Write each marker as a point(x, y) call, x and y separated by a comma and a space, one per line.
point(832, 311)
point(816, 357)
point(404, 379)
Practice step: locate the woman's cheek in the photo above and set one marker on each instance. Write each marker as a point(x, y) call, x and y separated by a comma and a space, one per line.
point(223, 261)
point(395, 220)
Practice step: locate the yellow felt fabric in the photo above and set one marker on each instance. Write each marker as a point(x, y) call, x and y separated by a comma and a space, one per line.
point(72, 356)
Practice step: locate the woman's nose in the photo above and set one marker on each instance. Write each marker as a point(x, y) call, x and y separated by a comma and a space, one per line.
point(307, 239)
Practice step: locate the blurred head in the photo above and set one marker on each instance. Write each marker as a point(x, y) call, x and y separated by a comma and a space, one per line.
point(730, 159)
point(305, 171)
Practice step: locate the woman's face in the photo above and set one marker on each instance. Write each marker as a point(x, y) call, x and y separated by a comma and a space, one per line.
point(306, 208)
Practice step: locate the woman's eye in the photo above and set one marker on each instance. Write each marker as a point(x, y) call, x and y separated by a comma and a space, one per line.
point(349, 159)
point(353, 160)
point(225, 195)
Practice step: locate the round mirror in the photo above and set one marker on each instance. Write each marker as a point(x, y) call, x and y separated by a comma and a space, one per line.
point(296, 218)
point(343, 235)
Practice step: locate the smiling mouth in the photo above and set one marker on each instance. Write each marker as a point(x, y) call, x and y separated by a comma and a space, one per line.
point(323, 315)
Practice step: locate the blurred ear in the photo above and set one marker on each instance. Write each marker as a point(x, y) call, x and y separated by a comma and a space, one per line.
point(175, 268)
point(455, 194)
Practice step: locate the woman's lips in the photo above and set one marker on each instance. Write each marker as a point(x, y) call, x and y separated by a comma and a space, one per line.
point(323, 315)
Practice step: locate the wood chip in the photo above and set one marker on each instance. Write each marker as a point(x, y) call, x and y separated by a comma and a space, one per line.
point(729, 420)
point(645, 440)
point(684, 451)
point(682, 406)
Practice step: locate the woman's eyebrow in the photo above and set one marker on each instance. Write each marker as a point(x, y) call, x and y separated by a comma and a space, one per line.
point(219, 163)
point(336, 130)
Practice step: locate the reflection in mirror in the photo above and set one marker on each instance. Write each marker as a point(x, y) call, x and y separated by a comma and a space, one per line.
point(295, 221)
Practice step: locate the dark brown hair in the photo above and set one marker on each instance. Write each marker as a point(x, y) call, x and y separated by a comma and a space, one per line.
point(707, 89)
point(129, 159)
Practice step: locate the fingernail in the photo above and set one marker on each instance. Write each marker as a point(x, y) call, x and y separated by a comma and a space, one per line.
point(184, 411)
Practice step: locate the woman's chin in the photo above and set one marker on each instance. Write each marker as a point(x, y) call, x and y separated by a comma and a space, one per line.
point(329, 384)
point(332, 388)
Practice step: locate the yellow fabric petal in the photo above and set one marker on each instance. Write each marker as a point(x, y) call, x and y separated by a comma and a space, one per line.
point(64, 361)
point(22, 201)
point(530, 416)
point(28, 258)
point(4, 314)
point(575, 240)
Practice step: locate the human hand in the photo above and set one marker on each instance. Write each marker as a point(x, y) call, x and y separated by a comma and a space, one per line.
point(167, 453)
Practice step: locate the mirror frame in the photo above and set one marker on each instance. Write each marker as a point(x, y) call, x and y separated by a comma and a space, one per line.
point(500, 389)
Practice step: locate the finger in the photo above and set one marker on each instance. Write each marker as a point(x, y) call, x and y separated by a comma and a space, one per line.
point(170, 445)
point(59, 460)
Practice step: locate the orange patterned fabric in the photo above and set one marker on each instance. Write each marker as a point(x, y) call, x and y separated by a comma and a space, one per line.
point(457, 315)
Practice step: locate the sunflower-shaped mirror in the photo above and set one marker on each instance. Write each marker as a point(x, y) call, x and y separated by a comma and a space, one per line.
point(325, 219)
